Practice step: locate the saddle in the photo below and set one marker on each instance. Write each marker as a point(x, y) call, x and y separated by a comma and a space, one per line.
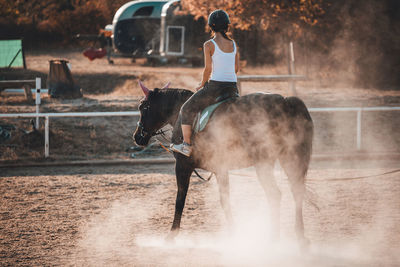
point(204, 116)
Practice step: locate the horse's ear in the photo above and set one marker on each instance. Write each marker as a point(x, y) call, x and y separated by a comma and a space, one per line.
point(166, 86)
point(145, 90)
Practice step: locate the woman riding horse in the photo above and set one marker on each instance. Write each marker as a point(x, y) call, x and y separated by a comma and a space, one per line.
point(252, 130)
point(221, 59)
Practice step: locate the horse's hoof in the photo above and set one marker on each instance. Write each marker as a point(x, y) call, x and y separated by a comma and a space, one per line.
point(275, 236)
point(304, 245)
point(170, 238)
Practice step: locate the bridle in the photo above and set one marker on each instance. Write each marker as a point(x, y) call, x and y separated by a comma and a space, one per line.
point(144, 133)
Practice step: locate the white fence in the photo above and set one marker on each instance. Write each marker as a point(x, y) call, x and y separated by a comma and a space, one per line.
point(38, 91)
point(359, 111)
point(47, 116)
point(291, 77)
point(22, 91)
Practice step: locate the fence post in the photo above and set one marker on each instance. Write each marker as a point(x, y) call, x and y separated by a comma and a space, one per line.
point(27, 92)
point(38, 100)
point(359, 117)
point(292, 70)
point(46, 137)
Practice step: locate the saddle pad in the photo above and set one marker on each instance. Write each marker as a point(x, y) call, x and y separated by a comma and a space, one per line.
point(203, 117)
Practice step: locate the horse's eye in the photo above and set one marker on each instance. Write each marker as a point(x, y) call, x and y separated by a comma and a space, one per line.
point(143, 108)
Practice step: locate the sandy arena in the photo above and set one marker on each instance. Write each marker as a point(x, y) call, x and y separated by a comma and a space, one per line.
point(119, 216)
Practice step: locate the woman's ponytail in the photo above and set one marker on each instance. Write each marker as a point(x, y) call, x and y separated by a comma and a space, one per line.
point(225, 35)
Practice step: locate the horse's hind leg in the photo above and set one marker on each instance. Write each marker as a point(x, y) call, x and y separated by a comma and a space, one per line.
point(223, 185)
point(183, 172)
point(267, 180)
point(295, 167)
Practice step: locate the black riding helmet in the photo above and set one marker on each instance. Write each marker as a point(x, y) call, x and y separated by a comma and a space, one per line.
point(219, 20)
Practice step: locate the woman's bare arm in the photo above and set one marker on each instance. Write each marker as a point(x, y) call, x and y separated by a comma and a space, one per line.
point(208, 51)
point(237, 60)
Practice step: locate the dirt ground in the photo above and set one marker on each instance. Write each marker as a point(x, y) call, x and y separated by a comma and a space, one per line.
point(119, 215)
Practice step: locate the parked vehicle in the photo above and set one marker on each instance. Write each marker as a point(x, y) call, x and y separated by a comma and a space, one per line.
point(157, 30)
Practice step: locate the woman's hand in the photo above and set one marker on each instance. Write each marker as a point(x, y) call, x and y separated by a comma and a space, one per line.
point(199, 87)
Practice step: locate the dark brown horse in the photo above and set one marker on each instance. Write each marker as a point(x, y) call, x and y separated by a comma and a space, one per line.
point(252, 130)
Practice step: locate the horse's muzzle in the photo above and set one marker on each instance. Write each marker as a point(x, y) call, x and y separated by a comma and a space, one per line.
point(141, 137)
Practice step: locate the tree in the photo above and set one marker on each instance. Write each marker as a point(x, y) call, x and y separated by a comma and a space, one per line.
point(291, 15)
point(54, 20)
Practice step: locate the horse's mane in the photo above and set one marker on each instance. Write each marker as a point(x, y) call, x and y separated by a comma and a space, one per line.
point(170, 96)
point(173, 92)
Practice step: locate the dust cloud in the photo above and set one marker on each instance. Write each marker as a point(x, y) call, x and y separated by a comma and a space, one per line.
point(110, 235)
point(356, 48)
point(356, 226)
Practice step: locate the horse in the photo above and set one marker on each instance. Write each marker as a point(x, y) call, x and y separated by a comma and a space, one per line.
point(251, 130)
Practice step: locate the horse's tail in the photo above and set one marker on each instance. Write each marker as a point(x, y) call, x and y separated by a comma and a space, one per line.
point(300, 116)
point(298, 159)
point(297, 108)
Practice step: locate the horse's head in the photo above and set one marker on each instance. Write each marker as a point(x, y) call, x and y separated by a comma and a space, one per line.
point(150, 116)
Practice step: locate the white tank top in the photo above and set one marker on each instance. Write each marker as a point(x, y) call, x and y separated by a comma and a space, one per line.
point(223, 65)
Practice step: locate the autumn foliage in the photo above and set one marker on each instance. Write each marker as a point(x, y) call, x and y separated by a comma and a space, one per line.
point(359, 37)
point(43, 21)
point(265, 15)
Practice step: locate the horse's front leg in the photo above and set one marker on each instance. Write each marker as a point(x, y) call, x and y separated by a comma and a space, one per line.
point(223, 185)
point(183, 172)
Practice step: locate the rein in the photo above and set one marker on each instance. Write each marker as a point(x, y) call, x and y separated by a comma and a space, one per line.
point(143, 132)
point(198, 174)
point(337, 179)
point(205, 180)
point(160, 132)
